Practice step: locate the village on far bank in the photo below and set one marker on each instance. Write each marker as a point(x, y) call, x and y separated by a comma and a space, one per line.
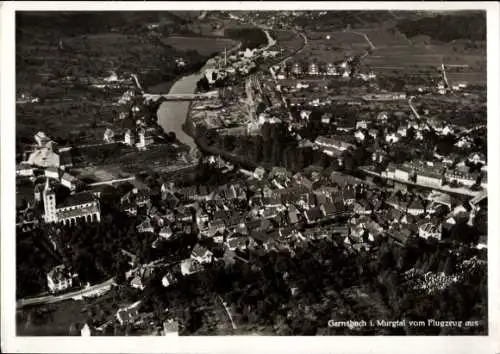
point(290, 175)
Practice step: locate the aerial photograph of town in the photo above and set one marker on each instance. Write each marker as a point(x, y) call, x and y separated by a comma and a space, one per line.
point(270, 173)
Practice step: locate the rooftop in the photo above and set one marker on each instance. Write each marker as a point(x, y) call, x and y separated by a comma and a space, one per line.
point(65, 214)
point(78, 199)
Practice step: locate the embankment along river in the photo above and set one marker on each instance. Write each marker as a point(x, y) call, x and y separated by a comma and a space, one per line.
point(173, 114)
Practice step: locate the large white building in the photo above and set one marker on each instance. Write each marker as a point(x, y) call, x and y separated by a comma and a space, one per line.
point(41, 139)
point(313, 69)
point(296, 69)
point(47, 153)
point(331, 69)
point(429, 230)
point(332, 143)
point(24, 169)
point(76, 207)
point(146, 138)
point(129, 138)
point(60, 278)
point(109, 136)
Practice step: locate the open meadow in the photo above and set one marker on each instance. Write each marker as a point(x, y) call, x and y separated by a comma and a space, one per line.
point(203, 45)
point(332, 46)
point(60, 64)
point(70, 121)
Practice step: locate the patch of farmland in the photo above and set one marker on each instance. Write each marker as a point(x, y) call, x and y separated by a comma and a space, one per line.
point(384, 38)
point(339, 45)
point(203, 45)
point(421, 55)
point(472, 78)
point(55, 321)
point(63, 121)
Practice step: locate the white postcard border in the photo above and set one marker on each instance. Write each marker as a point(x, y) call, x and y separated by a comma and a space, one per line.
point(353, 344)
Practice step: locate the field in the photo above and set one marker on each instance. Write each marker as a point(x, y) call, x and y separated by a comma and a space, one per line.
point(59, 58)
point(56, 321)
point(68, 122)
point(340, 45)
point(203, 45)
point(287, 40)
point(101, 173)
point(393, 51)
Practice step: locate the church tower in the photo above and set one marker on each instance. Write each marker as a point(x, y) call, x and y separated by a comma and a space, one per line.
point(49, 203)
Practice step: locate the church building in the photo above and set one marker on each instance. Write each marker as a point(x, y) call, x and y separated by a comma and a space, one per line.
point(78, 207)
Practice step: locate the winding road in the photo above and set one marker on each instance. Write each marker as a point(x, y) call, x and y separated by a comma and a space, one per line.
point(51, 299)
point(364, 35)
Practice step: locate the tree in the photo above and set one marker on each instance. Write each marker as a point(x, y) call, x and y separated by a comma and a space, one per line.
point(202, 85)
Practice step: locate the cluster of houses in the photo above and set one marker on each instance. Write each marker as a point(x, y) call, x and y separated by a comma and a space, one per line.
point(340, 68)
point(453, 169)
point(241, 63)
point(131, 315)
point(276, 209)
point(141, 135)
point(437, 174)
point(431, 282)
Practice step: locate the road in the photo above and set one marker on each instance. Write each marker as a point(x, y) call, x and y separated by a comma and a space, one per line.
point(182, 96)
point(173, 114)
point(446, 189)
point(283, 61)
point(479, 127)
point(272, 41)
point(348, 30)
point(84, 146)
point(110, 182)
point(298, 51)
point(227, 312)
point(51, 299)
point(134, 76)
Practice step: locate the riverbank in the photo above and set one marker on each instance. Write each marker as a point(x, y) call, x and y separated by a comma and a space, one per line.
point(172, 115)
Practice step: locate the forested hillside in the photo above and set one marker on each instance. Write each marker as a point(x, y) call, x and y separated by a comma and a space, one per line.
point(445, 28)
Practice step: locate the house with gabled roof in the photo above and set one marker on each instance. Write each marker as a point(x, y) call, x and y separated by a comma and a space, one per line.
point(429, 229)
point(128, 314)
point(348, 195)
point(69, 181)
point(399, 235)
point(166, 232)
point(313, 215)
point(293, 215)
point(330, 209)
point(53, 172)
point(216, 226)
point(140, 197)
point(145, 226)
point(396, 202)
point(236, 243)
point(416, 207)
point(129, 208)
point(201, 254)
point(24, 169)
point(190, 266)
point(60, 278)
point(361, 208)
point(265, 238)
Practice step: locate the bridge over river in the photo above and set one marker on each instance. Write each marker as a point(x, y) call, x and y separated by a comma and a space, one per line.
point(183, 96)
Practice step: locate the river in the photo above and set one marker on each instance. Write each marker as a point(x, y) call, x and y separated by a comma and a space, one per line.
point(173, 114)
